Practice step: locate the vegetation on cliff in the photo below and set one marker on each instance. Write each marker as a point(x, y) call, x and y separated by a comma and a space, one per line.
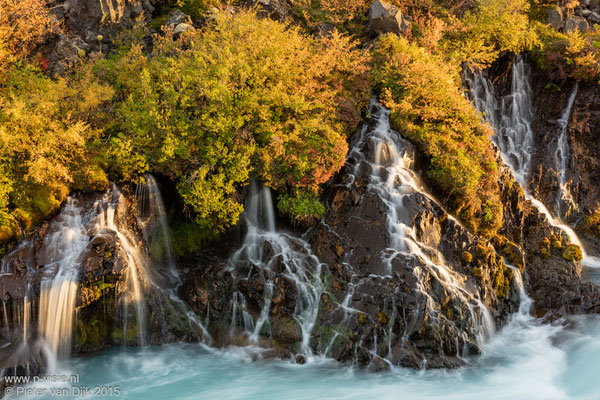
point(428, 108)
point(246, 98)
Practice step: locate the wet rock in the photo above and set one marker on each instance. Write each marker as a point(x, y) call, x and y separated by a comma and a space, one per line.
point(391, 295)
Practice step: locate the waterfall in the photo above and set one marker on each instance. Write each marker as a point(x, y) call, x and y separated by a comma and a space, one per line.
point(561, 156)
point(152, 219)
point(136, 274)
point(58, 288)
point(525, 301)
point(394, 180)
point(514, 138)
point(511, 120)
point(272, 252)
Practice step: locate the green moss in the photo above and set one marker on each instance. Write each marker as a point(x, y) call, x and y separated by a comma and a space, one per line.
point(572, 253)
point(131, 332)
point(466, 257)
point(545, 248)
point(511, 252)
point(188, 237)
point(477, 273)
point(362, 318)
point(556, 241)
point(592, 223)
point(382, 317)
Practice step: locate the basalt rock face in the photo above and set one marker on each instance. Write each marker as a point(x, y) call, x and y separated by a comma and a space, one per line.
point(553, 283)
point(583, 163)
point(377, 305)
point(578, 16)
point(88, 26)
point(103, 264)
point(400, 306)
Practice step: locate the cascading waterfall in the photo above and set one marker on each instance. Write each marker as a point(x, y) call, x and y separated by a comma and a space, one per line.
point(511, 120)
point(58, 289)
point(152, 219)
point(136, 275)
point(561, 156)
point(300, 266)
point(393, 179)
point(514, 137)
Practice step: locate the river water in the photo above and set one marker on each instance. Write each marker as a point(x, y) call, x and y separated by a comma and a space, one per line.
point(525, 360)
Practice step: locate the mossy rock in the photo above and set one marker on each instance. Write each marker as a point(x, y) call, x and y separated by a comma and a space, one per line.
point(556, 242)
point(127, 335)
point(545, 248)
point(482, 251)
point(362, 318)
point(545, 253)
point(466, 257)
point(477, 273)
point(572, 253)
point(382, 317)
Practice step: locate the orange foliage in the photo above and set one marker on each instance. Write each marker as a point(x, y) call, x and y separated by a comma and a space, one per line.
point(23, 25)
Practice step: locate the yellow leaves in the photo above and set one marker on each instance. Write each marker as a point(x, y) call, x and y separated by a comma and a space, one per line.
point(23, 24)
point(575, 42)
point(44, 131)
point(427, 107)
point(495, 27)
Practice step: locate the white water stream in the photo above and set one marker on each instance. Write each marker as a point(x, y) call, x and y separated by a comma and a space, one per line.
point(300, 266)
point(395, 181)
point(511, 122)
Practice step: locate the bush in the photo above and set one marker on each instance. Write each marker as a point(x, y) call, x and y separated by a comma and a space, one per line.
point(243, 98)
point(23, 25)
point(572, 55)
point(428, 108)
point(302, 208)
point(46, 141)
point(493, 28)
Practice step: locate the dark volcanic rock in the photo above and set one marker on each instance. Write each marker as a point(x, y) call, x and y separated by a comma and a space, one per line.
point(378, 305)
point(104, 262)
point(582, 176)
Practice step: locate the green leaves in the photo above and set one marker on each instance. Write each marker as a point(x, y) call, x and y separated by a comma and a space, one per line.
point(245, 97)
point(428, 108)
point(46, 134)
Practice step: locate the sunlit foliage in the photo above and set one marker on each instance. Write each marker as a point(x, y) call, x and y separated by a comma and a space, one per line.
point(428, 108)
point(46, 141)
point(244, 98)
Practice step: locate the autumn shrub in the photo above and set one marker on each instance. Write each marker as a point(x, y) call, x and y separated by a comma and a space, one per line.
point(592, 222)
point(46, 142)
point(568, 55)
point(492, 28)
point(243, 98)
point(428, 108)
point(23, 25)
